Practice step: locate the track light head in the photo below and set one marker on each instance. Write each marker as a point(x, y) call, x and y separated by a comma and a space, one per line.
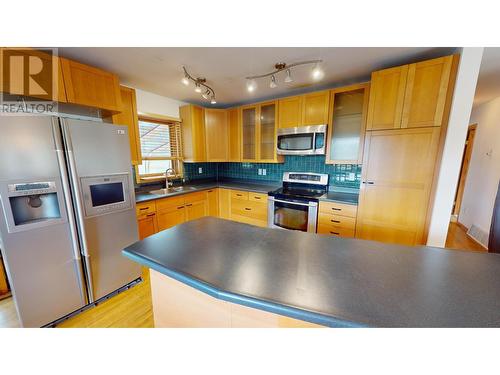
point(273, 82)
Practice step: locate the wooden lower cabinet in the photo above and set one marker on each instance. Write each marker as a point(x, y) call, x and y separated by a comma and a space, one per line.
point(213, 202)
point(4, 288)
point(225, 203)
point(196, 210)
point(171, 216)
point(337, 219)
point(249, 208)
point(396, 184)
point(147, 225)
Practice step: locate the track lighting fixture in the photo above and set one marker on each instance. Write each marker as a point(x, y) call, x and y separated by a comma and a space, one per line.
point(273, 82)
point(317, 74)
point(200, 86)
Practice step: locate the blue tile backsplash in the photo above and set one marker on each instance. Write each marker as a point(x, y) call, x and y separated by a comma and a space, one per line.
point(339, 173)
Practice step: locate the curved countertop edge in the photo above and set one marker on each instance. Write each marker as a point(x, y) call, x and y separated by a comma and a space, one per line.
point(272, 307)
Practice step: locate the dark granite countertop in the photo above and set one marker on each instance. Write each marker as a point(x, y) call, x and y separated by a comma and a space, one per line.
point(206, 185)
point(342, 197)
point(330, 281)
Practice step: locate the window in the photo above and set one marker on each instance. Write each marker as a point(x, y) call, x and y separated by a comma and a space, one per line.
point(160, 148)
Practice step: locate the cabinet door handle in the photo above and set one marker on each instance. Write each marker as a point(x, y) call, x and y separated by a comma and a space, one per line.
point(143, 208)
point(180, 207)
point(369, 182)
point(256, 197)
point(335, 221)
point(210, 191)
point(336, 209)
point(239, 195)
point(189, 205)
point(337, 233)
point(248, 209)
point(149, 215)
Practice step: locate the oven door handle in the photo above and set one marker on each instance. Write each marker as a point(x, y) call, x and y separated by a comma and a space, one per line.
point(310, 204)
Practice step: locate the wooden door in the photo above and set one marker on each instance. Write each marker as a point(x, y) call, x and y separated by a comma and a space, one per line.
point(290, 112)
point(147, 225)
point(469, 143)
point(234, 135)
point(267, 131)
point(195, 210)
point(171, 216)
point(249, 133)
point(92, 87)
point(315, 108)
point(346, 131)
point(387, 93)
point(128, 117)
point(426, 92)
point(216, 130)
point(225, 204)
point(397, 177)
point(213, 202)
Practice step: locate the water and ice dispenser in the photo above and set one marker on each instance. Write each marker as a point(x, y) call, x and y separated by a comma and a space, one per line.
point(31, 205)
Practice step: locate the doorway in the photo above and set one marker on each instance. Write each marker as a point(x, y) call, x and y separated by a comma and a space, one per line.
point(469, 142)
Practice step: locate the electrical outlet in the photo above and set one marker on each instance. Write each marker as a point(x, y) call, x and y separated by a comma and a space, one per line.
point(259, 171)
point(200, 170)
point(264, 172)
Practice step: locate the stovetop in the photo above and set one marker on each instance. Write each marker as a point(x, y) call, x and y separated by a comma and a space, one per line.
point(298, 192)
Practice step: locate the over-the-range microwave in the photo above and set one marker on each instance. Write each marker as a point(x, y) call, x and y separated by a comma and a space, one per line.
point(302, 140)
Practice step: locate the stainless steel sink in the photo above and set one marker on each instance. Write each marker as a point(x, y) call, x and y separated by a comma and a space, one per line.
point(172, 190)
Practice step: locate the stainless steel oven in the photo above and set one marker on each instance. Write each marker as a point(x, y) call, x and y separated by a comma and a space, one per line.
point(302, 140)
point(292, 214)
point(295, 205)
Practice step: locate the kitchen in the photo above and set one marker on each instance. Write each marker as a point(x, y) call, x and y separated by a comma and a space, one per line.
point(342, 163)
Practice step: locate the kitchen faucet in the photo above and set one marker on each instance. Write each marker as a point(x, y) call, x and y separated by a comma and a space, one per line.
point(167, 182)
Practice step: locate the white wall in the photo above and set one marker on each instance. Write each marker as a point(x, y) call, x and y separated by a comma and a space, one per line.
point(465, 87)
point(484, 170)
point(147, 102)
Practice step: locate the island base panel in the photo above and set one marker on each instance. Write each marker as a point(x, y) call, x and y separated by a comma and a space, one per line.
point(177, 305)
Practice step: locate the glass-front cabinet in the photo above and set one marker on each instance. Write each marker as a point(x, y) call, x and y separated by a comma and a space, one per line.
point(259, 129)
point(347, 125)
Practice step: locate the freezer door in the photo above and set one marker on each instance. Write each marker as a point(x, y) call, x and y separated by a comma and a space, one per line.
point(99, 158)
point(38, 237)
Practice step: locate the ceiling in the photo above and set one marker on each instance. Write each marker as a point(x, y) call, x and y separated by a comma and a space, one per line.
point(488, 84)
point(159, 70)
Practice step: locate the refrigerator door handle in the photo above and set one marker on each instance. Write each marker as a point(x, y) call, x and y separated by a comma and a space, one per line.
point(78, 207)
point(69, 205)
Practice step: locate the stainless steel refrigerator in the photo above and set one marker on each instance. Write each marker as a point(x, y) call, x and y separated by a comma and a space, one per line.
point(67, 211)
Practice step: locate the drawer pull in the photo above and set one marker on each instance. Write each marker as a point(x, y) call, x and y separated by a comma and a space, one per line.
point(337, 233)
point(248, 209)
point(368, 182)
point(210, 191)
point(335, 221)
point(149, 215)
point(336, 209)
point(256, 197)
point(189, 205)
point(239, 195)
point(180, 207)
point(143, 208)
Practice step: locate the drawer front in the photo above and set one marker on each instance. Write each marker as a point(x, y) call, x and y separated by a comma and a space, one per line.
point(145, 208)
point(238, 194)
point(254, 210)
point(257, 197)
point(167, 203)
point(196, 197)
point(335, 231)
point(338, 208)
point(337, 221)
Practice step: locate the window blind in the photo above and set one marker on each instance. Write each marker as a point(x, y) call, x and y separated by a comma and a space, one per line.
point(160, 140)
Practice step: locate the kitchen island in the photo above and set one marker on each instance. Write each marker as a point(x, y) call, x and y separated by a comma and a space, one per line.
point(214, 272)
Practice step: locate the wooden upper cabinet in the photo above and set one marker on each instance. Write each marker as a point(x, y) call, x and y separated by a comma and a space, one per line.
point(50, 75)
point(386, 98)
point(193, 133)
point(267, 131)
point(315, 108)
point(249, 133)
point(92, 87)
point(128, 117)
point(216, 135)
point(290, 112)
point(344, 144)
point(427, 87)
point(234, 136)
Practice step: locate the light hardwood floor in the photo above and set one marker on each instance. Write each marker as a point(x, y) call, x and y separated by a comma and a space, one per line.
point(458, 239)
point(129, 309)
